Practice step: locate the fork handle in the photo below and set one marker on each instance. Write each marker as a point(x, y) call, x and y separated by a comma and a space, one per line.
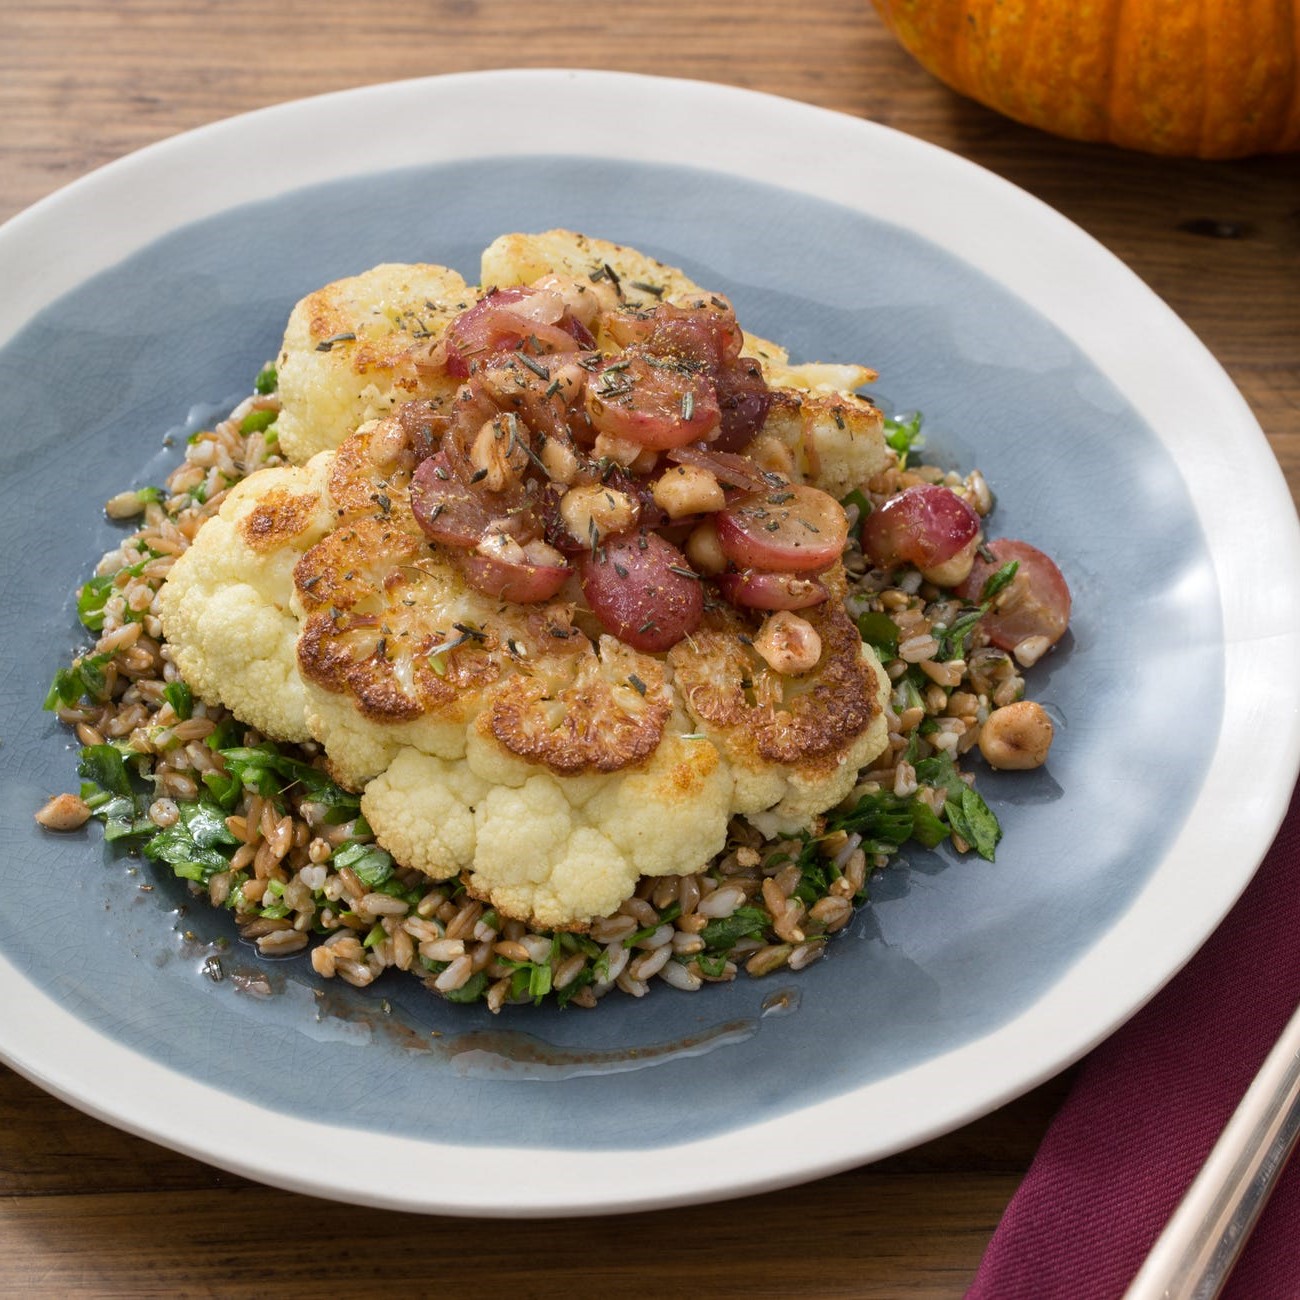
point(1195, 1253)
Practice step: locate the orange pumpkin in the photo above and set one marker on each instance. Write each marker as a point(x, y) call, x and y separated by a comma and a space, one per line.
point(1202, 78)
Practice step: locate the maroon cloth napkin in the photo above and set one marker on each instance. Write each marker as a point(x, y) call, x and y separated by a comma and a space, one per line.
point(1147, 1107)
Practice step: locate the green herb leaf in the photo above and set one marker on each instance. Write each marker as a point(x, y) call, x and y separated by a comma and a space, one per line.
point(104, 765)
point(539, 981)
point(927, 825)
point(85, 678)
point(974, 821)
point(206, 824)
point(188, 858)
point(997, 581)
point(858, 499)
point(743, 923)
point(955, 640)
point(471, 990)
point(256, 421)
point(903, 434)
point(941, 772)
point(879, 631)
point(370, 863)
point(712, 964)
point(267, 380)
point(181, 698)
point(264, 770)
point(122, 818)
point(91, 599)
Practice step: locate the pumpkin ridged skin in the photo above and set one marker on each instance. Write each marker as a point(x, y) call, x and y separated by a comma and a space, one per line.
point(1191, 78)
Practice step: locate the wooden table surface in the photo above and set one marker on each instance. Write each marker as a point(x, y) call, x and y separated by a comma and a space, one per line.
point(85, 1209)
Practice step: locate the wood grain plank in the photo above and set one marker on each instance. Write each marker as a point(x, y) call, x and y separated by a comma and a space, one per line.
point(860, 1234)
point(48, 1148)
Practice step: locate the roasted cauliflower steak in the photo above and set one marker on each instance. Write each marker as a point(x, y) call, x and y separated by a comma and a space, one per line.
point(547, 763)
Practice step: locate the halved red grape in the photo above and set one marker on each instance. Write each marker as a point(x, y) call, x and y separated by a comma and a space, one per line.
point(642, 590)
point(1036, 602)
point(525, 584)
point(791, 529)
point(653, 401)
point(757, 590)
point(744, 399)
point(508, 320)
point(706, 335)
point(924, 525)
point(448, 510)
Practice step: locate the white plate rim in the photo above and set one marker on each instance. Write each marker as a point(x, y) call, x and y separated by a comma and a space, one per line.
point(1071, 279)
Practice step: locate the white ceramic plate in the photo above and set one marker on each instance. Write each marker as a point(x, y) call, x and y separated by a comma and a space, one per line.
point(1102, 422)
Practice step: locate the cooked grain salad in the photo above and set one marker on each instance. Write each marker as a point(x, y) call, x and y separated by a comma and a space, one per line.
point(261, 830)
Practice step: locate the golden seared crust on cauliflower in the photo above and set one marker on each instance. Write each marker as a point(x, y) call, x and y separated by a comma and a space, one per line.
point(346, 352)
point(794, 743)
point(225, 608)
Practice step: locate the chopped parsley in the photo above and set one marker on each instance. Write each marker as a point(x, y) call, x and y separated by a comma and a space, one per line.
point(903, 434)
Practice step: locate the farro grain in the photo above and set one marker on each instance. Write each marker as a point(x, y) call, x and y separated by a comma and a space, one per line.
point(443, 949)
point(538, 947)
point(769, 958)
point(773, 897)
point(833, 913)
point(661, 936)
point(681, 977)
point(497, 993)
point(665, 890)
point(322, 960)
point(455, 976)
point(403, 950)
point(788, 921)
point(617, 961)
point(163, 812)
point(651, 963)
point(612, 928)
point(511, 950)
point(569, 970)
point(282, 942)
point(805, 954)
point(461, 926)
point(263, 925)
point(641, 910)
point(721, 903)
point(355, 973)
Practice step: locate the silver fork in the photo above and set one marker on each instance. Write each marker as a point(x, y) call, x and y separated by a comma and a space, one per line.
point(1195, 1253)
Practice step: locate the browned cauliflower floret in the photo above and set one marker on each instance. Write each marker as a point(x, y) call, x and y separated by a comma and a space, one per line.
point(346, 355)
